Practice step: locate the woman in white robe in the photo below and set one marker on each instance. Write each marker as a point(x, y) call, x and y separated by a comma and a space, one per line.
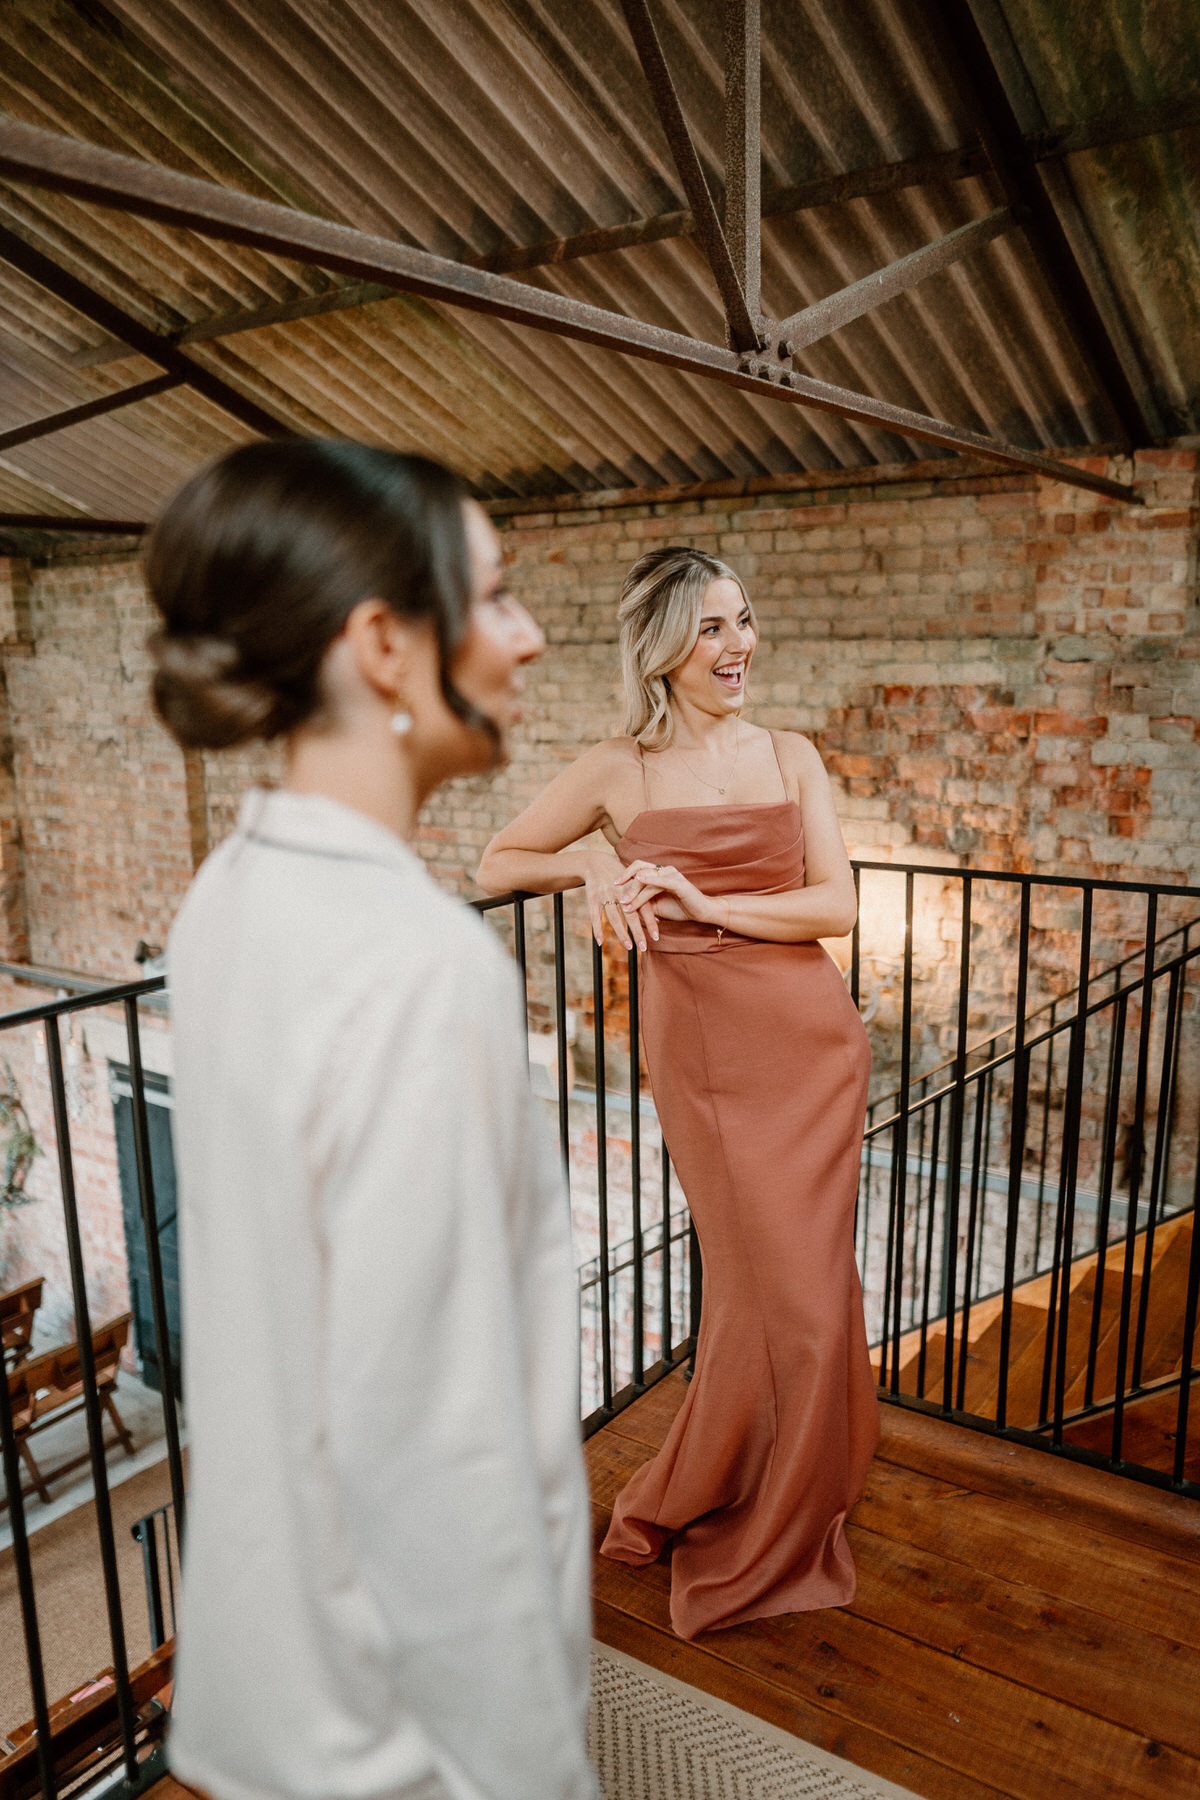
point(386, 1566)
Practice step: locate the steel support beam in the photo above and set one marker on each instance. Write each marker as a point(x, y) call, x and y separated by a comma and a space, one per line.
point(741, 319)
point(827, 190)
point(46, 160)
point(981, 87)
point(91, 409)
point(119, 324)
point(836, 310)
point(743, 147)
point(67, 522)
point(282, 312)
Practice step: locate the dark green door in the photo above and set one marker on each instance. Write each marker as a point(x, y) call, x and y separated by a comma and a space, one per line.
point(162, 1166)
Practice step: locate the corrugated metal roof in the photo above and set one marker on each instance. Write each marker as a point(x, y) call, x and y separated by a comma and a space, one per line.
point(470, 126)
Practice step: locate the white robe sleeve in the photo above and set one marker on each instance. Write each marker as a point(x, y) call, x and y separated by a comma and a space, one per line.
point(456, 1469)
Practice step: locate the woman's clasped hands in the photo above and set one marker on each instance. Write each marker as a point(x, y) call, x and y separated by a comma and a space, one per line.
point(604, 886)
point(647, 892)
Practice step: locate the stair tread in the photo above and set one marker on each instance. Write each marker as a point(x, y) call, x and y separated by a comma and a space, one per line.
point(1108, 1340)
point(1166, 1301)
point(1027, 1326)
point(1166, 1294)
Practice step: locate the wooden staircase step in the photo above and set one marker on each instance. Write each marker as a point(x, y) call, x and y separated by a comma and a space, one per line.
point(935, 1356)
point(1166, 1300)
point(1166, 1293)
point(1147, 1431)
point(1107, 1342)
point(1027, 1326)
point(1025, 1372)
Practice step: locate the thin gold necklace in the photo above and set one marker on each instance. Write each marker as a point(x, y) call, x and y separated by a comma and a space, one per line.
point(737, 744)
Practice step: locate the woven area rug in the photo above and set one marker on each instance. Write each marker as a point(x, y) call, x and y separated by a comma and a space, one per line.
point(653, 1738)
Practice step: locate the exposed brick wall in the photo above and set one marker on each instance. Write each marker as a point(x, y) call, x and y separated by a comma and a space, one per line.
point(997, 672)
point(1003, 670)
point(100, 787)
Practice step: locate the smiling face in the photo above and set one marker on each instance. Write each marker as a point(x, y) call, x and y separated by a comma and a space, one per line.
point(713, 674)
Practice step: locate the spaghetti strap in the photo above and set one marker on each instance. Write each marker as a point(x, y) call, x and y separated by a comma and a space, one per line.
point(778, 765)
point(645, 780)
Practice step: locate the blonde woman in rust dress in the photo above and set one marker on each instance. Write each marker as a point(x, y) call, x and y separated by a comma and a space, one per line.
point(725, 865)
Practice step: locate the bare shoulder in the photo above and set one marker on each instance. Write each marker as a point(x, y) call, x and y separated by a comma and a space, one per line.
point(604, 768)
point(615, 755)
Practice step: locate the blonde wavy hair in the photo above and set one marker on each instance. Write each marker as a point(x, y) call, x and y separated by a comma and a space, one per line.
point(659, 618)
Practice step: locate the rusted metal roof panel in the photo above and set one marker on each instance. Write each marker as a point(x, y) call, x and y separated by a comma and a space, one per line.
point(467, 127)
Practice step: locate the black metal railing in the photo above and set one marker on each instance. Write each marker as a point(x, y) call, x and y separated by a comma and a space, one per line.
point(130, 1749)
point(158, 1537)
point(1039, 1171)
point(1057, 1144)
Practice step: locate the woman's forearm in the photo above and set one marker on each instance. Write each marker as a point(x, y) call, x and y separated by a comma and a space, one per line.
point(798, 916)
point(532, 871)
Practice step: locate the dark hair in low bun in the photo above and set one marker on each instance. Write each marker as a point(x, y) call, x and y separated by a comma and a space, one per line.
point(258, 561)
point(199, 698)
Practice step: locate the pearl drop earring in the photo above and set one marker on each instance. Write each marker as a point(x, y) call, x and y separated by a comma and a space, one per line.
point(402, 719)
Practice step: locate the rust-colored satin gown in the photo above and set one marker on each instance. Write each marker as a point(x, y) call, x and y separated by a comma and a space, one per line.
point(758, 1063)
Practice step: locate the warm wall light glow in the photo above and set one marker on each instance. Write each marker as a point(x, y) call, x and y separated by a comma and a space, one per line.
point(937, 903)
point(881, 909)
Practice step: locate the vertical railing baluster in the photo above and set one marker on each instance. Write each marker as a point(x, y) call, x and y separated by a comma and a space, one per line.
point(1016, 1151)
point(1056, 1278)
point(889, 1257)
point(560, 1028)
point(855, 941)
point(23, 1565)
point(927, 1277)
point(922, 1134)
point(668, 1311)
point(91, 1398)
point(158, 1294)
point(606, 1348)
point(1188, 1348)
point(635, 1150)
point(695, 1294)
point(972, 1221)
point(1141, 1079)
point(900, 1134)
point(146, 1535)
point(989, 1084)
point(1112, 1100)
point(1051, 1041)
point(520, 953)
point(1159, 1167)
point(1072, 1118)
point(954, 1150)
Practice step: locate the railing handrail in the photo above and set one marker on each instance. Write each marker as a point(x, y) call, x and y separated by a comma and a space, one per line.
point(106, 996)
point(1049, 1006)
point(1086, 883)
point(984, 1069)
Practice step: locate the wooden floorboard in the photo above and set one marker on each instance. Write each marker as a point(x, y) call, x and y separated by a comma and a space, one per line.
point(781, 1704)
point(1019, 1542)
point(1024, 1626)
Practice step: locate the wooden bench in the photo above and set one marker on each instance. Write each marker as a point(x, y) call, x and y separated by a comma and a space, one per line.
point(48, 1388)
point(17, 1310)
point(84, 1728)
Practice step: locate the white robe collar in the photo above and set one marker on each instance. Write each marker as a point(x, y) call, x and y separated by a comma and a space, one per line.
point(315, 824)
